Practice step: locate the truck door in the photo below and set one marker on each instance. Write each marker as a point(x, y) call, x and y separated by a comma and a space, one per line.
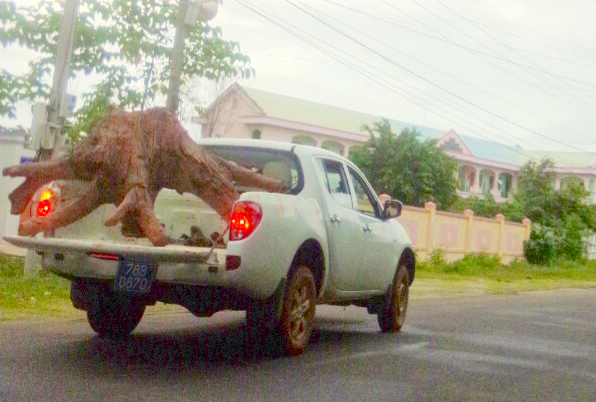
point(377, 245)
point(344, 227)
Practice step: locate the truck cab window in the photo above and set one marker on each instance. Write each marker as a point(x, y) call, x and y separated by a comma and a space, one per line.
point(367, 204)
point(336, 182)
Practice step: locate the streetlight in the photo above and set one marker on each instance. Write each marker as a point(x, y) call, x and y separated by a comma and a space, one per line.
point(188, 14)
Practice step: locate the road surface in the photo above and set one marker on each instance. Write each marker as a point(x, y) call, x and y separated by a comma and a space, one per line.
point(533, 346)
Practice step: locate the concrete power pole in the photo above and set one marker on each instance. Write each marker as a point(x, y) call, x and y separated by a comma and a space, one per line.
point(188, 14)
point(53, 140)
point(177, 58)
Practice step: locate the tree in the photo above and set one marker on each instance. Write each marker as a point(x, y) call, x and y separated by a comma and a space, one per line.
point(562, 218)
point(405, 166)
point(536, 188)
point(125, 44)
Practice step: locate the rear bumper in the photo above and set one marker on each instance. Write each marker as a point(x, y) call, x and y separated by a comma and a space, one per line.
point(176, 264)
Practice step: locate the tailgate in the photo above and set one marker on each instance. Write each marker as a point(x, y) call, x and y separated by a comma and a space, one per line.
point(169, 253)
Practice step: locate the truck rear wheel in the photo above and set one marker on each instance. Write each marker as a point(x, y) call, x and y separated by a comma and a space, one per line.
point(113, 316)
point(393, 313)
point(287, 330)
point(298, 311)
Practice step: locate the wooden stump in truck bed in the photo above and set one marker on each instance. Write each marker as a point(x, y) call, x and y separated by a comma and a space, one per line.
point(127, 159)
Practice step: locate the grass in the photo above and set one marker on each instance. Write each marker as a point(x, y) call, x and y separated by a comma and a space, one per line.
point(42, 295)
point(47, 295)
point(482, 274)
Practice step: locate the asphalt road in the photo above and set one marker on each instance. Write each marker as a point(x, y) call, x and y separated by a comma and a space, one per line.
point(538, 346)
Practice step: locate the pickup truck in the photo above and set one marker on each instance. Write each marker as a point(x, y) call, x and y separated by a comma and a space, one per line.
point(325, 239)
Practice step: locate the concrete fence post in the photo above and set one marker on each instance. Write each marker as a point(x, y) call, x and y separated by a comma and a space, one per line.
point(469, 215)
point(430, 208)
point(500, 221)
point(527, 224)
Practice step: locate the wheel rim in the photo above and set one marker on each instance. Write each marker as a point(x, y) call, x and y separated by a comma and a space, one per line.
point(299, 312)
point(402, 298)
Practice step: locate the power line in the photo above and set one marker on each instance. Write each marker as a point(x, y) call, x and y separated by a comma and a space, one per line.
point(525, 67)
point(441, 38)
point(451, 105)
point(275, 20)
point(501, 25)
point(539, 68)
point(454, 77)
point(393, 62)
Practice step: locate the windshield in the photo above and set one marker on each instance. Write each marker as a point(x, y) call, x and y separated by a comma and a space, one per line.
point(280, 165)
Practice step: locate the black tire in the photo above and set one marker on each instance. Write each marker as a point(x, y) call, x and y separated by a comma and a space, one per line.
point(298, 311)
point(113, 316)
point(393, 313)
point(285, 326)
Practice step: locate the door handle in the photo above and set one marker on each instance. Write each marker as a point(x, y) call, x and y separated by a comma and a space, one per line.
point(335, 219)
point(366, 229)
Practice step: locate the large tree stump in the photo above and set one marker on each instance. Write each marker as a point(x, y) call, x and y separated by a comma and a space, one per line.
point(127, 159)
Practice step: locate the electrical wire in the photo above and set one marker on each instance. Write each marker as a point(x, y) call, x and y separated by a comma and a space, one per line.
point(411, 98)
point(458, 79)
point(522, 66)
point(401, 67)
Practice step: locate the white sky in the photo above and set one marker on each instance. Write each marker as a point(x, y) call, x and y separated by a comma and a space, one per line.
point(513, 71)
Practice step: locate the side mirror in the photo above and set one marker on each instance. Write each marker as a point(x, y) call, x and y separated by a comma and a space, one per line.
point(392, 209)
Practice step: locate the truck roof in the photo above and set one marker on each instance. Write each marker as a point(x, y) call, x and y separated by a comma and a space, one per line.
point(304, 150)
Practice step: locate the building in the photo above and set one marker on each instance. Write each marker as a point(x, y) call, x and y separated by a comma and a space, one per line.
point(484, 167)
point(12, 152)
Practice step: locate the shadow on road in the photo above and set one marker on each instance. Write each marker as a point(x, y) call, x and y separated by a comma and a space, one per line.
point(211, 349)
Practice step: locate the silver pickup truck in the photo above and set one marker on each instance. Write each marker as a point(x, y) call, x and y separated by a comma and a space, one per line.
point(327, 239)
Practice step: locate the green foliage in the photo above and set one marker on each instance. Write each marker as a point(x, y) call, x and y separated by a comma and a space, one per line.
point(474, 264)
point(437, 259)
point(405, 167)
point(487, 207)
point(536, 185)
point(125, 44)
point(563, 217)
point(539, 248)
point(560, 273)
point(570, 236)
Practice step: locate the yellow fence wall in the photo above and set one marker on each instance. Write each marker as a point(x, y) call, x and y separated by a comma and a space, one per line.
point(460, 234)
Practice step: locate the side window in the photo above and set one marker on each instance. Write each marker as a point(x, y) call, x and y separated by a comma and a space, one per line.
point(335, 179)
point(366, 202)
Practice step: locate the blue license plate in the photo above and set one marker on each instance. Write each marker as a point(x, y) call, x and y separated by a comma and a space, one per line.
point(134, 276)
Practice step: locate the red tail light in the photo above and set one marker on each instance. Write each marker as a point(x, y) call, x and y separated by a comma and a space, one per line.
point(45, 202)
point(246, 216)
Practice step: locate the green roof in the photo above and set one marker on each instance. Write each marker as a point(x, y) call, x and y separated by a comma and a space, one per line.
point(320, 115)
point(516, 155)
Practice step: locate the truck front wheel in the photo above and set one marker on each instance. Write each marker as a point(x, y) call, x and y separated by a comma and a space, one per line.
point(113, 316)
point(393, 313)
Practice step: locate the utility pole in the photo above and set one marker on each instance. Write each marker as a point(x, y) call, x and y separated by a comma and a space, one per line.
point(51, 141)
point(58, 95)
point(177, 58)
point(188, 13)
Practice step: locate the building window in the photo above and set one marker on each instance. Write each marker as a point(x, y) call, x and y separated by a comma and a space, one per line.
point(466, 177)
point(505, 180)
point(304, 140)
point(568, 181)
point(333, 146)
point(452, 145)
point(486, 181)
point(256, 134)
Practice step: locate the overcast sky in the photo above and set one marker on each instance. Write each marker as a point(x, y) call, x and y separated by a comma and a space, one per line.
point(517, 72)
